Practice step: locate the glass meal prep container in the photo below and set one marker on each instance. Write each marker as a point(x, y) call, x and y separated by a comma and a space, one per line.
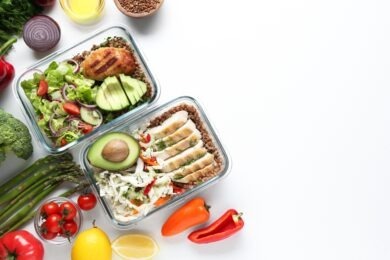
point(153, 89)
point(118, 191)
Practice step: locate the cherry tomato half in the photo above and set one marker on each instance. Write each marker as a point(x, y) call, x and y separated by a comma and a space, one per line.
point(87, 201)
point(63, 142)
point(71, 109)
point(43, 87)
point(68, 211)
point(53, 223)
point(86, 128)
point(50, 208)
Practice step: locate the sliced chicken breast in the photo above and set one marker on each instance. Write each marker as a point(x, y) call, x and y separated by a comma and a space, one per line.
point(187, 129)
point(179, 147)
point(170, 125)
point(184, 158)
point(193, 167)
point(206, 171)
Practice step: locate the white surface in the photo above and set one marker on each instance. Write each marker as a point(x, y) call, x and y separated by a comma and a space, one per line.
point(299, 91)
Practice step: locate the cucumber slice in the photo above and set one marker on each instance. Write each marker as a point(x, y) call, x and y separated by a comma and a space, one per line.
point(91, 116)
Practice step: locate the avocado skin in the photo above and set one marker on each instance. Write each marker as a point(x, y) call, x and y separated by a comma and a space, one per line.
point(96, 159)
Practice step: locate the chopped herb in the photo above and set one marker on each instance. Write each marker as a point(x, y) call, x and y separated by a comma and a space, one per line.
point(193, 142)
point(161, 145)
point(193, 160)
point(178, 176)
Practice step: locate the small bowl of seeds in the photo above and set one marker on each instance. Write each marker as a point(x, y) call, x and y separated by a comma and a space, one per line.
point(138, 8)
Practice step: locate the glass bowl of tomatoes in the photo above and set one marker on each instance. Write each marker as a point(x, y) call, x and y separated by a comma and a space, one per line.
point(58, 220)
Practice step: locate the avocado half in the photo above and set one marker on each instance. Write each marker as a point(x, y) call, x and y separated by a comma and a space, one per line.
point(114, 151)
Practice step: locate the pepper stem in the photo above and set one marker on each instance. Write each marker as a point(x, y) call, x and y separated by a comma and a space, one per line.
point(208, 207)
point(237, 217)
point(94, 223)
point(7, 46)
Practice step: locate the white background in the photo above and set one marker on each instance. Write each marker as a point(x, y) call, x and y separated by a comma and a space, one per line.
point(299, 93)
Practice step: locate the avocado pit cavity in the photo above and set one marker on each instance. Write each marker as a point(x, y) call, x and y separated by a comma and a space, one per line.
point(116, 150)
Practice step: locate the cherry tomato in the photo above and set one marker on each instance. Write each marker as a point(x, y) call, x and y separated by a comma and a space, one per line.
point(63, 142)
point(53, 223)
point(42, 88)
point(71, 109)
point(86, 128)
point(68, 211)
point(46, 234)
point(50, 208)
point(69, 228)
point(87, 201)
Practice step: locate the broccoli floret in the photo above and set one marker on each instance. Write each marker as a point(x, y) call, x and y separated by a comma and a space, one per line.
point(8, 134)
point(14, 136)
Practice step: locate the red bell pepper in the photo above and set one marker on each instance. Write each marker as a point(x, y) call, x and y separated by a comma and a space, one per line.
point(7, 71)
point(224, 227)
point(149, 187)
point(145, 138)
point(20, 245)
point(150, 161)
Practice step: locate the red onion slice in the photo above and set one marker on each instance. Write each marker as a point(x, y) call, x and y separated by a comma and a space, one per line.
point(71, 118)
point(85, 105)
point(100, 116)
point(77, 66)
point(63, 91)
point(52, 130)
point(41, 33)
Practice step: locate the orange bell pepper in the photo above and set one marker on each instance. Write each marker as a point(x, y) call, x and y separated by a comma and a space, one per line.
point(193, 213)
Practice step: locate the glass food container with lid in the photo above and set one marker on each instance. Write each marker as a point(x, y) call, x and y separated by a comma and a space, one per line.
point(95, 39)
point(187, 175)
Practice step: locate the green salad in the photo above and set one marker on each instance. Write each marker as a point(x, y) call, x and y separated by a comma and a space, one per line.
point(69, 104)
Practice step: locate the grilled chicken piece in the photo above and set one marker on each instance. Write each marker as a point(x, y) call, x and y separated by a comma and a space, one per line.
point(195, 176)
point(197, 165)
point(185, 130)
point(184, 158)
point(170, 125)
point(179, 147)
point(108, 61)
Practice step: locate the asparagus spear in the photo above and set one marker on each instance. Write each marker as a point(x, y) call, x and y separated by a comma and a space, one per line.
point(39, 164)
point(47, 171)
point(32, 213)
point(30, 193)
point(23, 211)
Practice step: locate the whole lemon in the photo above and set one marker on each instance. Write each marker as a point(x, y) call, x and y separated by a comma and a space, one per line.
point(92, 244)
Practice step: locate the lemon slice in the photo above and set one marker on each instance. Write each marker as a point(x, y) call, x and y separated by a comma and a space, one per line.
point(135, 247)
